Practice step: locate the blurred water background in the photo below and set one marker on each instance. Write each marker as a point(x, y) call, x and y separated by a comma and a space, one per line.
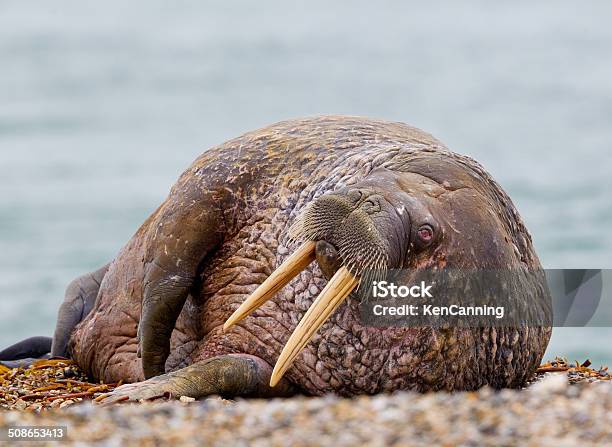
point(104, 104)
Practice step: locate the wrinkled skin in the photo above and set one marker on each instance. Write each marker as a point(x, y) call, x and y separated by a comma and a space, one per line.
point(225, 227)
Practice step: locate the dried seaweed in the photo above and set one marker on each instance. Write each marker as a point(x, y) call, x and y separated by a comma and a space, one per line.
point(60, 383)
point(47, 384)
point(580, 372)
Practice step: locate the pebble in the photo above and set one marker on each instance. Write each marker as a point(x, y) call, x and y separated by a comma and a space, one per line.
point(554, 382)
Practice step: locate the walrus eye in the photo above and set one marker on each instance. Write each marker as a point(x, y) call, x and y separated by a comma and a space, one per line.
point(425, 234)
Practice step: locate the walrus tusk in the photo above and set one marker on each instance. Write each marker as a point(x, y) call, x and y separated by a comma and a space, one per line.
point(334, 293)
point(293, 265)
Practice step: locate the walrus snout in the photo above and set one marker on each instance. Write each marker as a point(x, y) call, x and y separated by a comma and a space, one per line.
point(363, 227)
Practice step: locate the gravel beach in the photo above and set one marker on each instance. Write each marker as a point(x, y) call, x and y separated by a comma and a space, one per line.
point(551, 411)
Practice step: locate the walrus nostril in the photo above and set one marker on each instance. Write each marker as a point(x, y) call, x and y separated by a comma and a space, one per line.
point(371, 205)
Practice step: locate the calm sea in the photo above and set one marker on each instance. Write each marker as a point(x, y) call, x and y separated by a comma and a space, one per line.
point(103, 104)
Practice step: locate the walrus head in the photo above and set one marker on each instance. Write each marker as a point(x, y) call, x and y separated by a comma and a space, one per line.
point(392, 219)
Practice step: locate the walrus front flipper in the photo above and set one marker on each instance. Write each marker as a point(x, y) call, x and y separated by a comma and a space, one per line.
point(184, 234)
point(33, 347)
point(79, 300)
point(227, 375)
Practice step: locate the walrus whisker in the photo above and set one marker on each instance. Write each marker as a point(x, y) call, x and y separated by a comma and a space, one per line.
point(279, 278)
point(334, 293)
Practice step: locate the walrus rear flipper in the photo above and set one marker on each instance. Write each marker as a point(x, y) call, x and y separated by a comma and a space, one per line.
point(80, 298)
point(23, 363)
point(26, 352)
point(32, 347)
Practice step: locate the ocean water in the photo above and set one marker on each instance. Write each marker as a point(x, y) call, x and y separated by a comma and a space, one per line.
point(104, 104)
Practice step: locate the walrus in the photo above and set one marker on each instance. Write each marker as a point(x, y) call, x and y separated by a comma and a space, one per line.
point(242, 283)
